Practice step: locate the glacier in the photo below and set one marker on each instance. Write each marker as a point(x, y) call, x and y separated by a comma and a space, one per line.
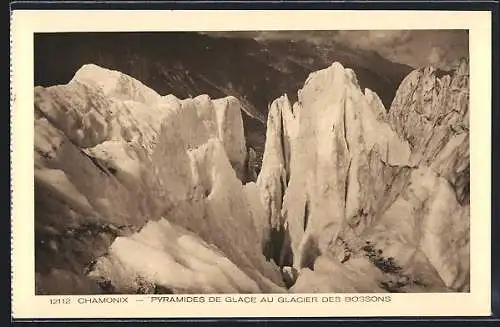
point(136, 192)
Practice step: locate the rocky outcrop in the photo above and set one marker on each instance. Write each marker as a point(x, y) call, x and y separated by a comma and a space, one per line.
point(349, 186)
point(111, 158)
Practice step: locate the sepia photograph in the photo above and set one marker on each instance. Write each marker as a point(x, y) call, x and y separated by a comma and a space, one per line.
point(243, 164)
point(252, 162)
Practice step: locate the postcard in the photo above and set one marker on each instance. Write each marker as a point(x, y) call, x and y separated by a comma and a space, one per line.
point(172, 164)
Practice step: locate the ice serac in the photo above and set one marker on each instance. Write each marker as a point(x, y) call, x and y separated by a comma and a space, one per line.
point(274, 177)
point(316, 160)
point(345, 188)
point(120, 168)
point(432, 113)
point(177, 261)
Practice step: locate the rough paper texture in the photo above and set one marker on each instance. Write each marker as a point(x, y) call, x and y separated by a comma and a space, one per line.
point(347, 186)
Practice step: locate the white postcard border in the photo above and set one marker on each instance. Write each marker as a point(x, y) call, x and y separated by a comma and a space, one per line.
point(27, 22)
